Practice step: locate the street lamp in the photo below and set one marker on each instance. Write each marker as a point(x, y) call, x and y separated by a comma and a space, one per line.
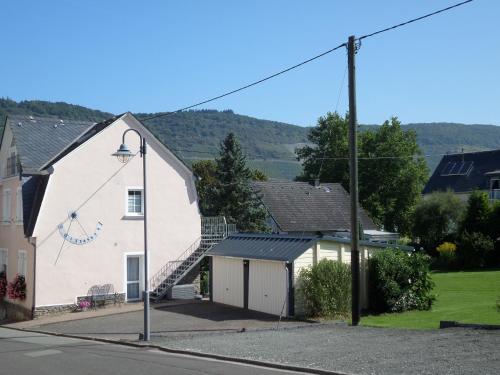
point(123, 154)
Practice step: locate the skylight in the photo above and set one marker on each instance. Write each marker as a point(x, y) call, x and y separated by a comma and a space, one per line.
point(461, 168)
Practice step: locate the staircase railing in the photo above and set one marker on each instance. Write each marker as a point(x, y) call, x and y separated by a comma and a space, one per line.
point(173, 271)
point(160, 276)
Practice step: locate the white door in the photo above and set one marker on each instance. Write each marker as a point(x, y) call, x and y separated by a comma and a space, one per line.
point(133, 278)
point(227, 279)
point(267, 287)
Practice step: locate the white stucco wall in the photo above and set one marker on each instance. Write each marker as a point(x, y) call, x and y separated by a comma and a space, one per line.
point(92, 182)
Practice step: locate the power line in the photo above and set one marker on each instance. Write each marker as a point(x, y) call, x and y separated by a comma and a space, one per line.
point(414, 20)
point(306, 62)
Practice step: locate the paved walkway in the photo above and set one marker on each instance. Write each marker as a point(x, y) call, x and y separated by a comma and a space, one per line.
point(173, 319)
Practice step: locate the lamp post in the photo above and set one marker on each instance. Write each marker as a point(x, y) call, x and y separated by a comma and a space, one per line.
point(123, 154)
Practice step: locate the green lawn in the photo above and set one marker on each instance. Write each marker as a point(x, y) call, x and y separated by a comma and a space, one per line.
point(466, 297)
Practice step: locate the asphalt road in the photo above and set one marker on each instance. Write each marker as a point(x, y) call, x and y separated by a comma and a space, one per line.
point(25, 353)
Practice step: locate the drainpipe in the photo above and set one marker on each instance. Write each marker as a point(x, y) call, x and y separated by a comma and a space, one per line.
point(32, 241)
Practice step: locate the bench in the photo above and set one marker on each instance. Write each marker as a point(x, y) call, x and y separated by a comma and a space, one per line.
point(100, 294)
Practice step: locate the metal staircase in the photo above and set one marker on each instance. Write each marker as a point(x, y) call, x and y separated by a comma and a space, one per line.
point(213, 231)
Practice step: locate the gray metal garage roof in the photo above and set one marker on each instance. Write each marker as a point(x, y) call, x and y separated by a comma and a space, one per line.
point(263, 246)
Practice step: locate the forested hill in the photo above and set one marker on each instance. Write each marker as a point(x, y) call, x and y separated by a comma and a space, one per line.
point(269, 145)
point(48, 109)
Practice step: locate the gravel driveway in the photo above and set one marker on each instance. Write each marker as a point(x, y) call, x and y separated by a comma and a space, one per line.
point(359, 350)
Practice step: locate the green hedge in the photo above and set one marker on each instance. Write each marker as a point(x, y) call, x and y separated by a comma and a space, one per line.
point(399, 281)
point(325, 289)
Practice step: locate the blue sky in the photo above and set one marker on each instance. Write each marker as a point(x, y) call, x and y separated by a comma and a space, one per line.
point(149, 56)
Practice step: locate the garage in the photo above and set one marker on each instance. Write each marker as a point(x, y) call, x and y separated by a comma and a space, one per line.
point(259, 271)
point(256, 271)
point(227, 281)
point(267, 287)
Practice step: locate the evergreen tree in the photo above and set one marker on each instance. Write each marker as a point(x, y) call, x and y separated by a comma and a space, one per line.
point(477, 213)
point(225, 190)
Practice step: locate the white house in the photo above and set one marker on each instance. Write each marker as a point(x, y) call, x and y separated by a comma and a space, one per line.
point(72, 215)
point(260, 271)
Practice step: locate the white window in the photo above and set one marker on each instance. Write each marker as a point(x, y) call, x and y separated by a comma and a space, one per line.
point(6, 204)
point(19, 205)
point(3, 260)
point(22, 262)
point(135, 202)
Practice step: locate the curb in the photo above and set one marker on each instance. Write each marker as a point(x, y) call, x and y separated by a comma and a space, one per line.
point(454, 324)
point(273, 365)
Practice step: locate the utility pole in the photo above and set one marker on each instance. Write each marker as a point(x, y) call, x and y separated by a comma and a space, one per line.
point(353, 174)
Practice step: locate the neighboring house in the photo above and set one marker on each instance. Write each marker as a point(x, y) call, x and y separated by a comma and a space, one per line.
point(72, 215)
point(259, 271)
point(462, 173)
point(308, 209)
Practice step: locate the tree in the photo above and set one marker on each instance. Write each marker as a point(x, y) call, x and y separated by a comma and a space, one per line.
point(437, 218)
point(392, 171)
point(224, 188)
point(477, 213)
point(392, 175)
point(330, 141)
point(206, 180)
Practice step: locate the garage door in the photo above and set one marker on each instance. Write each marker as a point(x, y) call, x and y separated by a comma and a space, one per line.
point(267, 287)
point(227, 281)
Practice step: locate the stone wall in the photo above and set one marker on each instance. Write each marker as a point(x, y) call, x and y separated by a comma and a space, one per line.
point(98, 301)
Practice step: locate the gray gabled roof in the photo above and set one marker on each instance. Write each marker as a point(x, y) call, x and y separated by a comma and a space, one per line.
point(263, 246)
point(464, 172)
point(39, 139)
point(302, 207)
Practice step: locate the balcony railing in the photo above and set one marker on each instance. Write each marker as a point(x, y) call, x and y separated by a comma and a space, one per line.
point(495, 194)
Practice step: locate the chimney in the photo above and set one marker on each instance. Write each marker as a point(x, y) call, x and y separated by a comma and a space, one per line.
point(316, 182)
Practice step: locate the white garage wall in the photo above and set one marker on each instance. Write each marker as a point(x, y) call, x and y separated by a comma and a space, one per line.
point(227, 281)
point(267, 287)
point(329, 250)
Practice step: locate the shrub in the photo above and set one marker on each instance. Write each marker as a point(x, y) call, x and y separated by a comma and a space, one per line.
point(325, 289)
point(447, 256)
point(399, 281)
point(436, 219)
point(17, 288)
point(474, 250)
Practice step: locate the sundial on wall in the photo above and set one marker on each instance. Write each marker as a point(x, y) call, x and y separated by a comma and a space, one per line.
point(68, 235)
